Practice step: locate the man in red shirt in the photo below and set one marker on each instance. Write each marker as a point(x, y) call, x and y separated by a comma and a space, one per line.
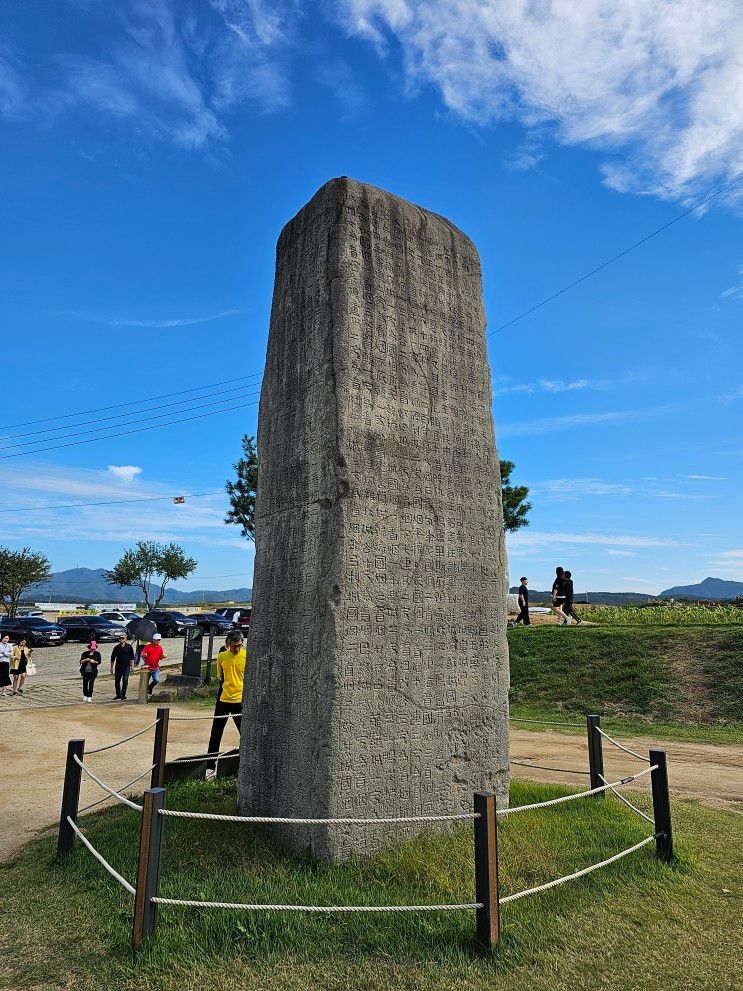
point(151, 656)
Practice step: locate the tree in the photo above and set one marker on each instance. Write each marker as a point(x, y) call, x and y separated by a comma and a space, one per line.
point(148, 561)
point(242, 491)
point(19, 570)
point(515, 507)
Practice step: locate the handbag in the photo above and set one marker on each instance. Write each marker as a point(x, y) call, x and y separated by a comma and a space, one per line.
point(31, 669)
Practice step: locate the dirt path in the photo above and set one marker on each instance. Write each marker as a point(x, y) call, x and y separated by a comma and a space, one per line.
point(33, 745)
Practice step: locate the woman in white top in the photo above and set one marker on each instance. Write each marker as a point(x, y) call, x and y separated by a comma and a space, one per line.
point(6, 653)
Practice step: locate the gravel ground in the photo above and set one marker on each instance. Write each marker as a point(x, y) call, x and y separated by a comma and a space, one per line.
point(63, 661)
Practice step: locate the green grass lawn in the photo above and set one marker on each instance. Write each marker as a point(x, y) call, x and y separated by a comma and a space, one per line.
point(681, 682)
point(638, 924)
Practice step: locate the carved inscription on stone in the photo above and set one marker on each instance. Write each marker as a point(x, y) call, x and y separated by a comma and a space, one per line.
point(377, 682)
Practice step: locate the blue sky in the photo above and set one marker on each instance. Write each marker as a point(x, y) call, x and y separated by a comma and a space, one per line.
point(152, 151)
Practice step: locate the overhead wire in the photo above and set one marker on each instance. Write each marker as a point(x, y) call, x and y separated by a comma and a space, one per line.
point(114, 502)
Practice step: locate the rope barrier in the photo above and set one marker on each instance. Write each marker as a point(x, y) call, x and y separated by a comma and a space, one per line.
point(544, 767)
point(215, 817)
point(110, 746)
point(629, 804)
point(102, 860)
point(616, 743)
point(189, 903)
point(123, 788)
point(183, 719)
point(547, 722)
point(576, 874)
point(102, 784)
point(195, 760)
point(580, 794)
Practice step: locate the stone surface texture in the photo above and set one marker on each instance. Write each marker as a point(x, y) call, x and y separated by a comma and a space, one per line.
point(377, 679)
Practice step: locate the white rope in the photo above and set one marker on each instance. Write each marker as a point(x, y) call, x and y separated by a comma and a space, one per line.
point(318, 908)
point(580, 794)
point(572, 877)
point(123, 788)
point(102, 860)
point(102, 784)
point(194, 760)
point(616, 743)
point(110, 746)
point(545, 767)
point(316, 822)
point(183, 719)
point(629, 804)
point(546, 722)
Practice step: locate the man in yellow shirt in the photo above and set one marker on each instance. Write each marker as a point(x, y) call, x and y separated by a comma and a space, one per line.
point(230, 672)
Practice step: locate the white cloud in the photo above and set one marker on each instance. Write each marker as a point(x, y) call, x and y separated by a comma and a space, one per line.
point(574, 488)
point(126, 473)
point(549, 385)
point(13, 99)
point(658, 83)
point(537, 538)
point(617, 553)
point(547, 425)
point(707, 478)
point(735, 291)
point(162, 322)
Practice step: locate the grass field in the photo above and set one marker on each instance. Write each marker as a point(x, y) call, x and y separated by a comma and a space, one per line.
point(637, 924)
point(684, 681)
point(665, 615)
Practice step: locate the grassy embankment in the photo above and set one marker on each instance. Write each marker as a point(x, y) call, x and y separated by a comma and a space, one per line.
point(637, 924)
point(680, 682)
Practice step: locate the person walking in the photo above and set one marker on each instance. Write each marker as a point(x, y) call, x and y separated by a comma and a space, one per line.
point(558, 596)
point(230, 674)
point(568, 607)
point(151, 655)
point(90, 660)
point(19, 665)
point(6, 656)
point(523, 616)
point(122, 658)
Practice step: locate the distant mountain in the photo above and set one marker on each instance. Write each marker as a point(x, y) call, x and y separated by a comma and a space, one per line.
point(597, 598)
point(90, 585)
point(711, 588)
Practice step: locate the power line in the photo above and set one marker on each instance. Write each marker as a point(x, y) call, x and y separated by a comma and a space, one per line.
point(134, 402)
point(115, 416)
point(621, 254)
point(94, 430)
point(113, 502)
point(123, 433)
point(202, 578)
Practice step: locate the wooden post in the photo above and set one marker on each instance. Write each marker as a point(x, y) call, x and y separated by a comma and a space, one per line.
point(595, 754)
point(486, 869)
point(159, 748)
point(144, 674)
point(661, 805)
point(70, 796)
point(148, 869)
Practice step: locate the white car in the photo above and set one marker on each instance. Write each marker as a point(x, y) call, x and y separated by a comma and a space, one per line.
point(120, 618)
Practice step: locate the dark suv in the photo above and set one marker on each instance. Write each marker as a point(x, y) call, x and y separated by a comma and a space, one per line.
point(36, 632)
point(86, 628)
point(170, 623)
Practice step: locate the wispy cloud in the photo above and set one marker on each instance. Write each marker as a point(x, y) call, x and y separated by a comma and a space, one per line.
point(575, 488)
point(13, 96)
point(657, 85)
point(735, 291)
point(731, 397)
point(548, 425)
point(549, 385)
point(615, 552)
point(126, 473)
point(539, 538)
point(163, 322)
point(707, 478)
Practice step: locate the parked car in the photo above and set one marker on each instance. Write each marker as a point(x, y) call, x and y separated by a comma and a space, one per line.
point(238, 617)
point(170, 623)
point(206, 620)
point(120, 618)
point(85, 628)
point(26, 613)
point(38, 632)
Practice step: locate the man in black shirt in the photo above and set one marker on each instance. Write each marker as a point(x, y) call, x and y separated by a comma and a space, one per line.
point(122, 658)
point(523, 615)
point(568, 604)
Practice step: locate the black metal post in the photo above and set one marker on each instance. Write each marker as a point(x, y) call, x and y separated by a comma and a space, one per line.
point(661, 805)
point(486, 869)
point(70, 796)
point(159, 748)
point(209, 653)
point(595, 754)
point(148, 869)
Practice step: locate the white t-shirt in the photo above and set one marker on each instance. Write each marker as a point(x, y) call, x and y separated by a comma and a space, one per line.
point(6, 652)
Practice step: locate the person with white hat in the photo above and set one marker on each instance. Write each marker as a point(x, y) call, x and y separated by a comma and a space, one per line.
point(151, 656)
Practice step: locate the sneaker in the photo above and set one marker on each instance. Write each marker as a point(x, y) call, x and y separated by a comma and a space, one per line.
point(20, 691)
point(211, 774)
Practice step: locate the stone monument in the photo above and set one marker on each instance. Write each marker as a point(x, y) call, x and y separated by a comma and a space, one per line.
point(377, 678)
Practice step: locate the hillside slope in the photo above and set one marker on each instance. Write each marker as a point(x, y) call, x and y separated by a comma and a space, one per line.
point(711, 588)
